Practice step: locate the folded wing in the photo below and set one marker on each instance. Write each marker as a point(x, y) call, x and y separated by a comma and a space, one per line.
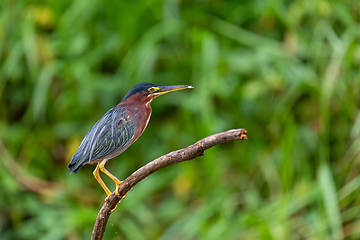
point(109, 137)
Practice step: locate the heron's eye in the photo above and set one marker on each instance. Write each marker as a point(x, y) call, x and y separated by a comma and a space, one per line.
point(152, 89)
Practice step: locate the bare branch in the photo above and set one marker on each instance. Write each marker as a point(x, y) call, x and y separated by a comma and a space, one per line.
point(186, 154)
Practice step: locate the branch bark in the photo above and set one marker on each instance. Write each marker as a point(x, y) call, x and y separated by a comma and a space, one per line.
point(182, 155)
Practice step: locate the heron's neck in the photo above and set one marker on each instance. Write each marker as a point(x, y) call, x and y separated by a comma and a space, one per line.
point(139, 112)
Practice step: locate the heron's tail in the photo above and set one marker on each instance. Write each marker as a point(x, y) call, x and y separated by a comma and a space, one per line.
point(77, 161)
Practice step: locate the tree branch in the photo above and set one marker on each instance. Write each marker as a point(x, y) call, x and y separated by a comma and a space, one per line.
point(186, 154)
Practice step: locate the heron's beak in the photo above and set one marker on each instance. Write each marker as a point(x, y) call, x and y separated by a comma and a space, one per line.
point(166, 89)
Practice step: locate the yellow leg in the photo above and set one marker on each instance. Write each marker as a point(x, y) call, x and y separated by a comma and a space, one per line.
point(117, 181)
point(100, 181)
point(102, 168)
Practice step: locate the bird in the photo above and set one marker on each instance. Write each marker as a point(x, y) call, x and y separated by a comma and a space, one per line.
point(120, 127)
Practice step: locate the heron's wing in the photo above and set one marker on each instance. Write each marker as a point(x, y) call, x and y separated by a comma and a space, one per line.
point(109, 137)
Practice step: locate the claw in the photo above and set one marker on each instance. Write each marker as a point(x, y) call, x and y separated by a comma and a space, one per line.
point(117, 191)
point(114, 208)
point(107, 198)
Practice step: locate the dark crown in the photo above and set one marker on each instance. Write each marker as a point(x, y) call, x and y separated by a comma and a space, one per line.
point(138, 88)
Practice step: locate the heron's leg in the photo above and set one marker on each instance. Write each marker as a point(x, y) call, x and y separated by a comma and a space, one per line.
point(100, 181)
point(117, 181)
point(102, 168)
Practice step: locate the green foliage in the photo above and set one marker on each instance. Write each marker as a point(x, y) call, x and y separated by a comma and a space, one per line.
point(287, 71)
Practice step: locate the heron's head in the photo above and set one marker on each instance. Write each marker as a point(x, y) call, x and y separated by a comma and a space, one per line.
point(146, 92)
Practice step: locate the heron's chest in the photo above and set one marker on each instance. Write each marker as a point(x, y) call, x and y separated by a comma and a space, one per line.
point(141, 117)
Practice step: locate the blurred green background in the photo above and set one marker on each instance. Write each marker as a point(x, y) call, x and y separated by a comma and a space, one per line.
point(287, 71)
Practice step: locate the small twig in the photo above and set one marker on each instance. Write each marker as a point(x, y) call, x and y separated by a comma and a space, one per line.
point(186, 154)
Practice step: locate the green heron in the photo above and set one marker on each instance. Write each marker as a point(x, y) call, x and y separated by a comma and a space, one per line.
point(117, 130)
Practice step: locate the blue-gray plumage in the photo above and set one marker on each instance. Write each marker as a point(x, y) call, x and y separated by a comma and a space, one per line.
point(118, 129)
point(109, 137)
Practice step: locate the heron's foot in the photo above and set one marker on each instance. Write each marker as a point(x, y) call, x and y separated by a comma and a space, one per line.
point(107, 198)
point(115, 206)
point(117, 191)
